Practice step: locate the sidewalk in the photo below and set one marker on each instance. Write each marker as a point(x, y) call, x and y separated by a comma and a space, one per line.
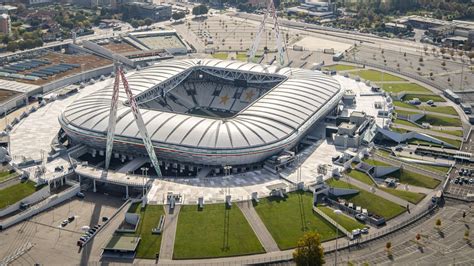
point(258, 227)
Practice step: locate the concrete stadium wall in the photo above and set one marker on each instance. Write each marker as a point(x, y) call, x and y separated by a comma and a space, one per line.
point(31, 199)
point(46, 204)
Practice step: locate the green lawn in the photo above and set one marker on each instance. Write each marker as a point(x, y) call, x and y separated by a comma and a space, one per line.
point(406, 113)
point(374, 162)
point(149, 219)
point(405, 122)
point(369, 201)
point(242, 56)
point(404, 105)
point(410, 178)
point(406, 195)
point(406, 87)
point(374, 75)
point(288, 219)
point(399, 130)
point(438, 109)
point(449, 110)
point(5, 175)
point(423, 143)
point(361, 176)
point(340, 67)
point(440, 169)
point(457, 133)
point(423, 97)
point(345, 221)
point(17, 192)
point(214, 232)
point(222, 56)
point(436, 120)
point(383, 152)
point(456, 143)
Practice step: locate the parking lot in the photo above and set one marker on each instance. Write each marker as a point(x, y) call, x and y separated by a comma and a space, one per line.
point(461, 181)
point(47, 236)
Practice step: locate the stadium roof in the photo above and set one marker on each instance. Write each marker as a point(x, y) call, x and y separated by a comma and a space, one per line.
point(304, 95)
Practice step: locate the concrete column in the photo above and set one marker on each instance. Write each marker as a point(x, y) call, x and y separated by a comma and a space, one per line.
point(126, 192)
point(95, 189)
point(80, 179)
point(62, 181)
point(54, 183)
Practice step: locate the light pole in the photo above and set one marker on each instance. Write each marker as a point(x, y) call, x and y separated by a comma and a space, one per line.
point(337, 212)
point(144, 173)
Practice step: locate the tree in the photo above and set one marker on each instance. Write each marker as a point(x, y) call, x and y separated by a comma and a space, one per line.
point(135, 23)
point(200, 10)
point(178, 15)
point(418, 237)
point(443, 63)
point(466, 234)
point(470, 55)
point(438, 223)
point(442, 51)
point(420, 60)
point(12, 46)
point(309, 250)
point(148, 21)
point(388, 247)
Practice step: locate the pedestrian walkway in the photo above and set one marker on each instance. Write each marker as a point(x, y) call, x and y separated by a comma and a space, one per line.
point(258, 226)
point(169, 232)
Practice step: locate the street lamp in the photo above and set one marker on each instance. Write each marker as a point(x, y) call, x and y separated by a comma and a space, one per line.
point(144, 170)
point(337, 212)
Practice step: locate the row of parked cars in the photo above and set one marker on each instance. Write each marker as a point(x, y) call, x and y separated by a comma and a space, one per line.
point(90, 233)
point(466, 172)
point(463, 181)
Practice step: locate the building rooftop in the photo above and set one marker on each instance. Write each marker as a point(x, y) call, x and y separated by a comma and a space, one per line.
point(123, 243)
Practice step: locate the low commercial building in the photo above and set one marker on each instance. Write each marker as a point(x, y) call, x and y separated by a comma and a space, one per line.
point(140, 10)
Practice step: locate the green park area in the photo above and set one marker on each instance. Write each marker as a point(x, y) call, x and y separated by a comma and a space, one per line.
point(414, 179)
point(5, 175)
point(289, 218)
point(449, 110)
point(345, 221)
point(361, 176)
point(222, 56)
point(423, 97)
point(437, 120)
point(214, 231)
point(409, 196)
point(149, 218)
point(403, 87)
point(375, 75)
point(374, 162)
point(373, 203)
point(17, 192)
point(340, 67)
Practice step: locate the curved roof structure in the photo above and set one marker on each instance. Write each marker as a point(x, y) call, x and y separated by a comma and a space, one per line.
point(301, 96)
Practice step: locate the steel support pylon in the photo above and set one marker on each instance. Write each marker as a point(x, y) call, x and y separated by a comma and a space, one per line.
point(271, 9)
point(137, 117)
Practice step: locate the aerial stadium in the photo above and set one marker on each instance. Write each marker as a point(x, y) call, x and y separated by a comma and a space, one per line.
point(207, 112)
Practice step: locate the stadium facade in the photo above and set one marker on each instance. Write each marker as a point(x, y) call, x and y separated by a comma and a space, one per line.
point(208, 112)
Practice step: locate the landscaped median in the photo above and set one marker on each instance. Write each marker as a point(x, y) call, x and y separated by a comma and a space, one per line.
point(373, 203)
point(409, 196)
point(345, 221)
point(214, 231)
point(150, 243)
point(288, 219)
point(17, 192)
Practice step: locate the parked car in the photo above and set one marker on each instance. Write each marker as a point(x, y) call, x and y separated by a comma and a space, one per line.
point(71, 218)
point(64, 223)
point(364, 230)
point(105, 219)
point(361, 217)
point(80, 195)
